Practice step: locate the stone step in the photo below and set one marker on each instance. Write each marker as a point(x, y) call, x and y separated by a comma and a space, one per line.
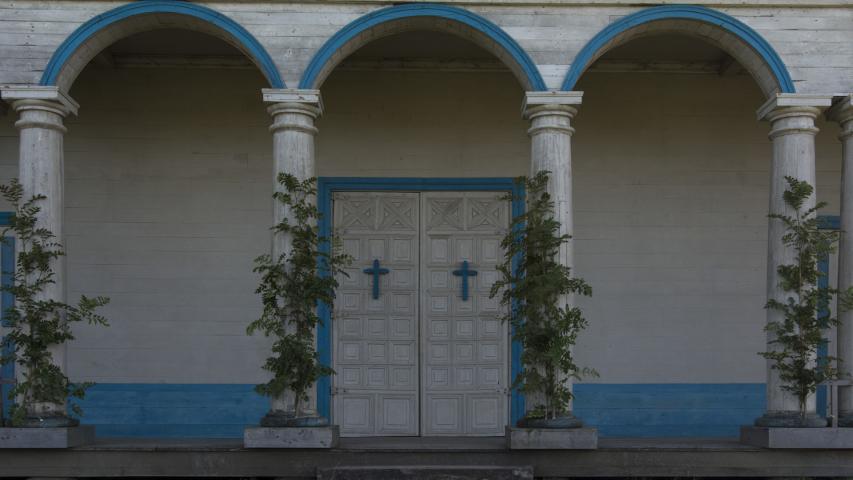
point(450, 472)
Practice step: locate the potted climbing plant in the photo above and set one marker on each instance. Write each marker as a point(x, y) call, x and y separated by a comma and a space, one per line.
point(292, 286)
point(805, 313)
point(534, 287)
point(36, 323)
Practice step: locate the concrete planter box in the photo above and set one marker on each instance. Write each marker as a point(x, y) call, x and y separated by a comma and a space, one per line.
point(817, 438)
point(291, 437)
point(551, 438)
point(46, 437)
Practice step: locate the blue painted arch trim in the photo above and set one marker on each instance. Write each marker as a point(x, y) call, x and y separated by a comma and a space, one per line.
point(398, 12)
point(681, 12)
point(326, 186)
point(79, 37)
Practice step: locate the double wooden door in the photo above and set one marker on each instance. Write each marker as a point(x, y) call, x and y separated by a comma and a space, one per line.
point(418, 346)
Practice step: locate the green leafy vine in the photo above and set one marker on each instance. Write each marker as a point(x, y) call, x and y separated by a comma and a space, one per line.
point(531, 286)
point(292, 286)
point(805, 311)
point(36, 322)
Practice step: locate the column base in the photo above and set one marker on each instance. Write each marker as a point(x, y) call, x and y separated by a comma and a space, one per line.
point(53, 421)
point(564, 421)
point(786, 419)
point(280, 418)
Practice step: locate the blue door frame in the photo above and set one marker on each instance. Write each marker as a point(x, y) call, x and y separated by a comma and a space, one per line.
point(326, 186)
point(7, 301)
point(827, 222)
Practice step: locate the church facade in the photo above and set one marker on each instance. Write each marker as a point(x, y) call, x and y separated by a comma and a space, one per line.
point(155, 128)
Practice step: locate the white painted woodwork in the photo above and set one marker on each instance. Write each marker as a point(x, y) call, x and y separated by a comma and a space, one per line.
point(419, 360)
point(812, 37)
point(293, 130)
point(465, 349)
point(41, 111)
point(792, 120)
point(842, 112)
point(376, 340)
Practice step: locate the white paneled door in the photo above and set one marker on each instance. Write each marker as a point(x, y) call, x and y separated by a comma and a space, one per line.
point(418, 347)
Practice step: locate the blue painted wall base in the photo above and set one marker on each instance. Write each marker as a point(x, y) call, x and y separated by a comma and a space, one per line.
point(618, 410)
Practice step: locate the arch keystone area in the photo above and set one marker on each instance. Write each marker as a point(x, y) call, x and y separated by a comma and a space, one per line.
point(726, 32)
point(422, 16)
point(144, 15)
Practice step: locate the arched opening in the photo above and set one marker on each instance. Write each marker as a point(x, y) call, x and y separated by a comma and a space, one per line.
point(167, 174)
point(422, 17)
point(671, 175)
point(92, 37)
point(418, 118)
point(728, 34)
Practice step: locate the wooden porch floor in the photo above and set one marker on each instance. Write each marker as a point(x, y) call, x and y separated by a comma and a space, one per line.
point(616, 457)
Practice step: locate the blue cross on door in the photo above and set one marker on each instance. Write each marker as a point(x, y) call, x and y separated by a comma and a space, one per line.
point(376, 271)
point(465, 272)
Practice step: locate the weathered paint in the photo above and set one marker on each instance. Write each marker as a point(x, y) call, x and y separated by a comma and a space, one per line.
point(814, 43)
point(328, 185)
point(507, 47)
point(617, 410)
point(7, 301)
point(714, 18)
point(231, 29)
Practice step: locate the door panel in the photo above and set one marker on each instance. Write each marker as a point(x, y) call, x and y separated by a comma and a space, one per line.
point(418, 358)
point(375, 339)
point(465, 367)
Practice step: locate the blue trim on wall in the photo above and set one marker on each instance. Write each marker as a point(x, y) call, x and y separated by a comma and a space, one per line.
point(688, 12)
point(398, 12)
point(618, 410)
point(172, 410)
point(328, 185)
point(7, 301)
point(828, 222)
point(669, 410)
point(79, 37)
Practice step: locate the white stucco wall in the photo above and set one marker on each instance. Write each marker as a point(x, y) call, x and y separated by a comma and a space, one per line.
point(168, 181)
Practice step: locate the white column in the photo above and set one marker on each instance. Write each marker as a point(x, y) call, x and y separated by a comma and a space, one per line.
point(294, 112)
point(41, 111)
point(550, 115)
point(842, 112)
point(792, 120)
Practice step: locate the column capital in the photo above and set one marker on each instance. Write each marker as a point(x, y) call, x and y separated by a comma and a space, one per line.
point(550, 99)
point(788, 104)
point(40, 97)
point(842, 112)
point(294, 96)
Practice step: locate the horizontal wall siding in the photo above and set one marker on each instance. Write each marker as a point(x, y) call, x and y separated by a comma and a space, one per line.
point(814, 43)
point(177, 410)
point(669, 410)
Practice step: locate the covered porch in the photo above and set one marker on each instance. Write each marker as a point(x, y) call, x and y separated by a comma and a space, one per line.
point(663, 174)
